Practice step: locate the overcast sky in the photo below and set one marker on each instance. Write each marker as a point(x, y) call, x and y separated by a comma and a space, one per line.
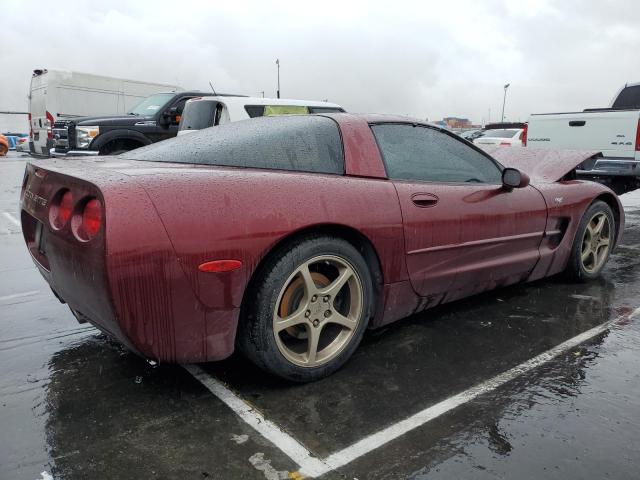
point(423, 59)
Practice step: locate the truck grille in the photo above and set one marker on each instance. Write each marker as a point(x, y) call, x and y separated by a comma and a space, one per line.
point(63, 136)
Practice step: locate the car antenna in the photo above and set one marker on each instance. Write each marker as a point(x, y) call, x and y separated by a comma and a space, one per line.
point(211, 85)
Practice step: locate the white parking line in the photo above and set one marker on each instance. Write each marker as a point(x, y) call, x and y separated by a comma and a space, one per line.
point(19, 295)
point(269, 430)
point(311, 466)
point(11, 218)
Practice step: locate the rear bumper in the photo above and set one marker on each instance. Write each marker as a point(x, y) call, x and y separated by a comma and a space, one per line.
point(127, 280)
point(611, 166)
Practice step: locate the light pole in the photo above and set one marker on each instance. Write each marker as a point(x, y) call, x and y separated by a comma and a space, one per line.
point(278, 64)
point(504, 100)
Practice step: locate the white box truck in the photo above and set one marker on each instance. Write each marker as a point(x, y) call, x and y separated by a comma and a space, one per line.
point(62, 94)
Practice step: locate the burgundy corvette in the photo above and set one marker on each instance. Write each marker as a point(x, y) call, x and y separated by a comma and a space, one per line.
point(288, 237)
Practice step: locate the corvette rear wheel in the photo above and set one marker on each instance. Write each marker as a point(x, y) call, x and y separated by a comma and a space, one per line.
point(311, 305)
point(593, 242)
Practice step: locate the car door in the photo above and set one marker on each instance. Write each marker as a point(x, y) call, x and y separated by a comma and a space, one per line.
point(464, 232)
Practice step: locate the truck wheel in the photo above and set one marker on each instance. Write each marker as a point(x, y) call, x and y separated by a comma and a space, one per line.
point(307, 309)
point(593, 242)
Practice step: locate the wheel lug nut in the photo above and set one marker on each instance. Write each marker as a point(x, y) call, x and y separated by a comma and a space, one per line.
point(307, 313)
point(326, 298)
point(316, 322)
point(327, 314)
point(314, 298)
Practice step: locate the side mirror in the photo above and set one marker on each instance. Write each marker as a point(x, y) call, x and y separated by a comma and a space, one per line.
point(514, 178)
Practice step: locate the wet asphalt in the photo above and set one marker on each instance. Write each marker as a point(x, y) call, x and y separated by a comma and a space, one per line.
point(75, 405)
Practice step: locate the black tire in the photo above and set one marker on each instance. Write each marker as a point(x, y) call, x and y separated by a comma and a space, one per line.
point(575, 268)
point(256, 338)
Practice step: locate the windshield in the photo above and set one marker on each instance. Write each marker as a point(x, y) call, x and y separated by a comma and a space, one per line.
point(499, 133)
point(151, 105)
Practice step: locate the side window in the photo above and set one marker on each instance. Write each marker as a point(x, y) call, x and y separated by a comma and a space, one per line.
point(325, 110)
point(179, 106)
point(274, 110)
point(254, 110)
point(425, 154)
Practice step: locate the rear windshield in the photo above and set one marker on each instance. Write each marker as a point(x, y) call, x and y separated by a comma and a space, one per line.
point(628, 98)
point(198, 114)
point(499, 133)
point(301, 143)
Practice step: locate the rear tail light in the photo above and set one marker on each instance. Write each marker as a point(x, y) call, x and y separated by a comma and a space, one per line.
point(61, 209)
point(49, 125)
point(638, 137)
point(90, 220)
point(525, 132)
point(30, 127)
point(505, 144)
point(85, 215)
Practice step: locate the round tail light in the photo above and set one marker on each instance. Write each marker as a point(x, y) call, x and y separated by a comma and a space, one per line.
point(61, 210)
point(91, 219)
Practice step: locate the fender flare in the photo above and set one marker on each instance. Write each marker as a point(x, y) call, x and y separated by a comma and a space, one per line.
point(120, 134)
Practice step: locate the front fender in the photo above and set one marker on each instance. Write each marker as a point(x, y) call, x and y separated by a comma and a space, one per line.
point(119, 134)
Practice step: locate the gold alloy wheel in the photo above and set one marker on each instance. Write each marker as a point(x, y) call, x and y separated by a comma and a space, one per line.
point(596, 243)
point(318, 311)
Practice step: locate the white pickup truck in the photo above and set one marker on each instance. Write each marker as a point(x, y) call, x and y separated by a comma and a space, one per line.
point(614, 131)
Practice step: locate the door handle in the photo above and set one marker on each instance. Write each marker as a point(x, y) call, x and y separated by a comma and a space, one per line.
point(423, 200)
point(577, 123)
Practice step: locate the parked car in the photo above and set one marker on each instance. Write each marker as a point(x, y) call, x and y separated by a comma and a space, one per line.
point(59, 95)
point(204, 112)
point(614, 131)
point(4, 145)
point(471, 135)
point(155, 118)
point(289, 236)
point(23, 145)
point(508, 137)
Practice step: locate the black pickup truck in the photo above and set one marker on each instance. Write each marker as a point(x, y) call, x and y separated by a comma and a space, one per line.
point(153, 119)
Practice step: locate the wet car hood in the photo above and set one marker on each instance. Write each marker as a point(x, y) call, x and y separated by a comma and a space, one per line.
point(541, 164)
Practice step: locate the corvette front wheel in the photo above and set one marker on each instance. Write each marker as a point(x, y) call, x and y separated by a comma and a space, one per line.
point(307, 309)
point(593, 242)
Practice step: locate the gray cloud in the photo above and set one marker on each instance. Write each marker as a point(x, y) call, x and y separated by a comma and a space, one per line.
point(424, 59)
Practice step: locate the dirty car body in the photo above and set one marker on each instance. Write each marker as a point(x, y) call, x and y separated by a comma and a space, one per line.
point(164, 213)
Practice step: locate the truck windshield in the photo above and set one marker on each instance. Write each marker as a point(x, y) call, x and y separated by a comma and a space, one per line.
point(152, 104)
